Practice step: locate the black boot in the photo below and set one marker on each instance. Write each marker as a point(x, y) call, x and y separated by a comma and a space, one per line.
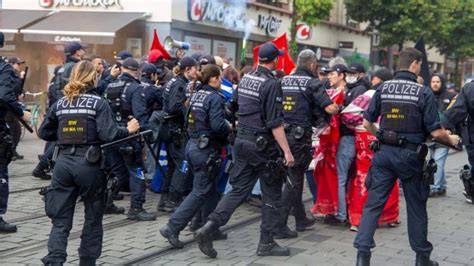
point(40, 172)
point(172, 237)
point(304, 224)
point(285, 233)
point(204, 237)
point(196, 222)
point(423, 260)
point(114, 209)
point(140, 215)
point(86, 261)
point(17, 156)
point(268, 247)
point(218, 235)
point(363, 258)
point(162, 202)
point(6, 227)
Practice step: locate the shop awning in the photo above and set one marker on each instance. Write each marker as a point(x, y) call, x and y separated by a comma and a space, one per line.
point(86, 27)
point(11, 20)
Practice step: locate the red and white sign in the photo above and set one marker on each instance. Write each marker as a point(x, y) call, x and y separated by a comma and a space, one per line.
point(195, 10)
point(46, 3)
point(303, 32)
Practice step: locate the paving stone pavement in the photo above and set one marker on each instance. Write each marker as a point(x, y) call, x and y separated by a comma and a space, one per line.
point(450, 231)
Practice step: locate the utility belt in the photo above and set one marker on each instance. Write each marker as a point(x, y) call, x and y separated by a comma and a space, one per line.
point(393, 139)
point(204, 141)
point(92, 153)
point(298, 132)
point(262, 141)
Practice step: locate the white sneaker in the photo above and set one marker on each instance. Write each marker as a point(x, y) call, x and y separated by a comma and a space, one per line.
point(354, 228)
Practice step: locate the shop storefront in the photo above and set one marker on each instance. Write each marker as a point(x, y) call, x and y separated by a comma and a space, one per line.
point(37, 29)
point(218, 28)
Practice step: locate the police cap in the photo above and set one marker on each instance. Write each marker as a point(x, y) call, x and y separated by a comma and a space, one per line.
point(122, 55)
point(269, 52)
point(383, 74)
point(131, 64)
point(15, 60)
point(187, 62)
point(71, 47)
point(340, 68)
point(207, 59)
point(149, 69)
point(356, 67)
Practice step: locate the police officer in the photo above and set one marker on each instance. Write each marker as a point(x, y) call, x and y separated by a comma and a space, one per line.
point(207, 129)
point(13, 124)
point(259, 98)
point(174, 99)
point(154, 104)
point(458, 112)
point(126, 98)
point(79, 122)
point(7, 94)
point(74, 52)
point(408, 114)
point(303, 98)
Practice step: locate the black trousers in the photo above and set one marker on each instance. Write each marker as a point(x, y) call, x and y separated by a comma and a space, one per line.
point(388, 164)
point(294, 183)
point(177, 182)
point(249, 166)
point(204, 192)
point(73, 176)
point(15, 129)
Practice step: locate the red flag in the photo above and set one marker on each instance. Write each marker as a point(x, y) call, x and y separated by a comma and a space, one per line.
point(157, 45)
point(285, 62)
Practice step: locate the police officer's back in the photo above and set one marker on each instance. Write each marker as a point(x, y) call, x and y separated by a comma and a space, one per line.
point(304, 98)
point(408, 114)
point(126, 97)
point(79, 122)
point(260, 129)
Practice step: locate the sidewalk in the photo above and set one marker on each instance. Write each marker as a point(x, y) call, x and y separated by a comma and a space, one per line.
point(450, 231)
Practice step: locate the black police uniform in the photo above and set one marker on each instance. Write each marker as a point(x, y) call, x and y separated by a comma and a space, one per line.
point(303, 96)
point(454, 116)
point(126, 98)
point(13, 124)
point(174, 97)
point(259, 98)
point(7, 94)
point(410, 110)
point(207, 129)
point(77, 126)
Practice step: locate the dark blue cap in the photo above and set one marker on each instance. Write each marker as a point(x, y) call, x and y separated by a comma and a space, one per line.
point(207, 59)
point(187, 62)
point(149, 69)
point(356, 67)
point(337, 67)
point(71, 47)
point(122, 55)
point(131, 64)
point(269, 52)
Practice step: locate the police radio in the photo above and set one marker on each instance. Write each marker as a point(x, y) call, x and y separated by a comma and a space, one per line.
point(171, 44)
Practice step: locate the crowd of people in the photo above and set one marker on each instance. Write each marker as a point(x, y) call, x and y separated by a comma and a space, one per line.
point(233, 136)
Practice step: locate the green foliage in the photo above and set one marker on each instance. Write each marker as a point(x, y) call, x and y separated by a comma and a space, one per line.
point(310, 12)
point(398, 21)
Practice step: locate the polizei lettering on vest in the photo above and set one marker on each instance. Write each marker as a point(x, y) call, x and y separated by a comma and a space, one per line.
point(405, 89)
point(81, 102)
